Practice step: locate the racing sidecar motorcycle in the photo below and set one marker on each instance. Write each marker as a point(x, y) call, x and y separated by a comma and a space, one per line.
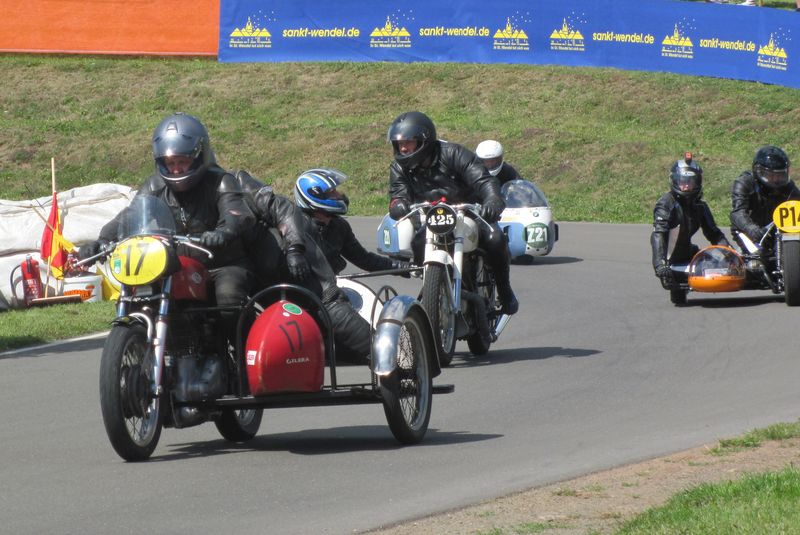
point(527, 221)
point(772, 264)
point(165, 362)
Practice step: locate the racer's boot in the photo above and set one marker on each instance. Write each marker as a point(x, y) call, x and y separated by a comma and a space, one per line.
point(508, 300)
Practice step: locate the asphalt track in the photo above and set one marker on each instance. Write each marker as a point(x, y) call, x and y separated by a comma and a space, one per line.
point(598, 369)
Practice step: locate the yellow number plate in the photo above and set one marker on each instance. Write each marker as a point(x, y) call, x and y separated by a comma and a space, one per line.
point(139, 260)
point(787, 216)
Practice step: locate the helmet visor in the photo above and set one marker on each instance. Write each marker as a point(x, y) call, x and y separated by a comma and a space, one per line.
point(773, 178)
point(686, 183)
point(493, 165)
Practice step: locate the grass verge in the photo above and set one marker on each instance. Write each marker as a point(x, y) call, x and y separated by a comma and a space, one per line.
point(760, 503)
point(757, 503)
point(33, 326)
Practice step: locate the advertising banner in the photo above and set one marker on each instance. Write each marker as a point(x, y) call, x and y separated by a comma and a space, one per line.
point(177, 27)
point(727, 41)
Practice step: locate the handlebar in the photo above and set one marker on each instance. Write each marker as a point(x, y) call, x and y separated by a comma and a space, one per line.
point(192, 242)
point(472, 208)
point(189, 241)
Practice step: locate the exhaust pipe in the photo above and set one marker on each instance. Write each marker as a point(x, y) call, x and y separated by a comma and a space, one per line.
point(501, 324)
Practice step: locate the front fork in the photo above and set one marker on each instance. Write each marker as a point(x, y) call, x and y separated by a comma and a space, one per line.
point(156, 331)
point(434, 255)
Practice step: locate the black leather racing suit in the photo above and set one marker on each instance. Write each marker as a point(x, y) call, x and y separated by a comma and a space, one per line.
point(279, 226)
point(507, 174)
point(351, 332)
point(458, 175)
point(215, 203)
point(752, 205)
point(339, 244)
point(687, 216)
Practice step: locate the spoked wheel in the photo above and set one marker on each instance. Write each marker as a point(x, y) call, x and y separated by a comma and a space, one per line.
point(239, 425)
point(131, 413)
point(484, 286)
point(790, 260)
point(437, 303)
point(407, 391)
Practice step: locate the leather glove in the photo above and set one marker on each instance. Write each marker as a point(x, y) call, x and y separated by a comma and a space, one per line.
point(398, 208)
point(297, 264)
point(91, 249)
point(492, 209)
point(213, 239)
point(400, 264)
point(664, 273)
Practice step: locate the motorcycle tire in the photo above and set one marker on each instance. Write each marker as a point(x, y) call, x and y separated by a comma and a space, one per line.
point(239, 425)
point(484, 286)
point(790, 260)
point(407, 392)
point(131, 414)
point(678, 296)
point(436, 302)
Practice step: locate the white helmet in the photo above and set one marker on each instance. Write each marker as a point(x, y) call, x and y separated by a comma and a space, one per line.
point(491, 152)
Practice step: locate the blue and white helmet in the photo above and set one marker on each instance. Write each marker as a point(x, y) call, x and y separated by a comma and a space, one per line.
point(315, 189)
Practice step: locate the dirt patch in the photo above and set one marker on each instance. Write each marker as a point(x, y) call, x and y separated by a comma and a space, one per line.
point(600, 502)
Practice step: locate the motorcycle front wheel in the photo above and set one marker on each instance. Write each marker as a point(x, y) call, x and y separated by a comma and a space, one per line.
point(790, 258)
point(436, 302)
point(131, 414)
point(407, 392)
point(239, 425)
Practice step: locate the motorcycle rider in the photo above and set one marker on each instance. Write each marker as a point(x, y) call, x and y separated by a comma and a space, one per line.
point(491, 154)
point(323, 205)
point(681, 209)
point(755, 195)
point(205, 201)
point(427, 169)
point(305, 263)
point(276, 244)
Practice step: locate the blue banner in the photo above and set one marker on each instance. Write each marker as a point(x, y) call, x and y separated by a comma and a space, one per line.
point(728, 41)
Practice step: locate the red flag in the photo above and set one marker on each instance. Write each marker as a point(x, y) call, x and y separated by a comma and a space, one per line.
point(54, 246)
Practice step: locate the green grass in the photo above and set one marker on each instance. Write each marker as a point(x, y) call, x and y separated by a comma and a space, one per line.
point(598, 141)
point(756, 437)
point(29, 327)
point(760, 503)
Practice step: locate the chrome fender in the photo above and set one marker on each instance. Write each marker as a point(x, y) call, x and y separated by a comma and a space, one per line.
point(438, 256)
point(387, 334)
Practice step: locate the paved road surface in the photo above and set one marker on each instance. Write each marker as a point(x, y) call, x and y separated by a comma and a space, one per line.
point(598, 369)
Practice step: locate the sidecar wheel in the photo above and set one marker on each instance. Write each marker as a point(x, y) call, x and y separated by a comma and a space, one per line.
point(239, 425)
point(407, 391)
point(678, 296)
point(791, 272)
point(131, 414)
point(436, 302)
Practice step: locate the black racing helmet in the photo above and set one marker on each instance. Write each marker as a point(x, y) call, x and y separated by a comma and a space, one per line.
point(182, 135)
point(408, 126)
point(686, 178)
point(771, 167)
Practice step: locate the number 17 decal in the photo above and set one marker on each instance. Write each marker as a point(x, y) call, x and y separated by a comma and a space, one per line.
point(297, 331)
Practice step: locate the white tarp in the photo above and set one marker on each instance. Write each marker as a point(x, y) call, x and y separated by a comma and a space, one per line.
point(84, 211)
